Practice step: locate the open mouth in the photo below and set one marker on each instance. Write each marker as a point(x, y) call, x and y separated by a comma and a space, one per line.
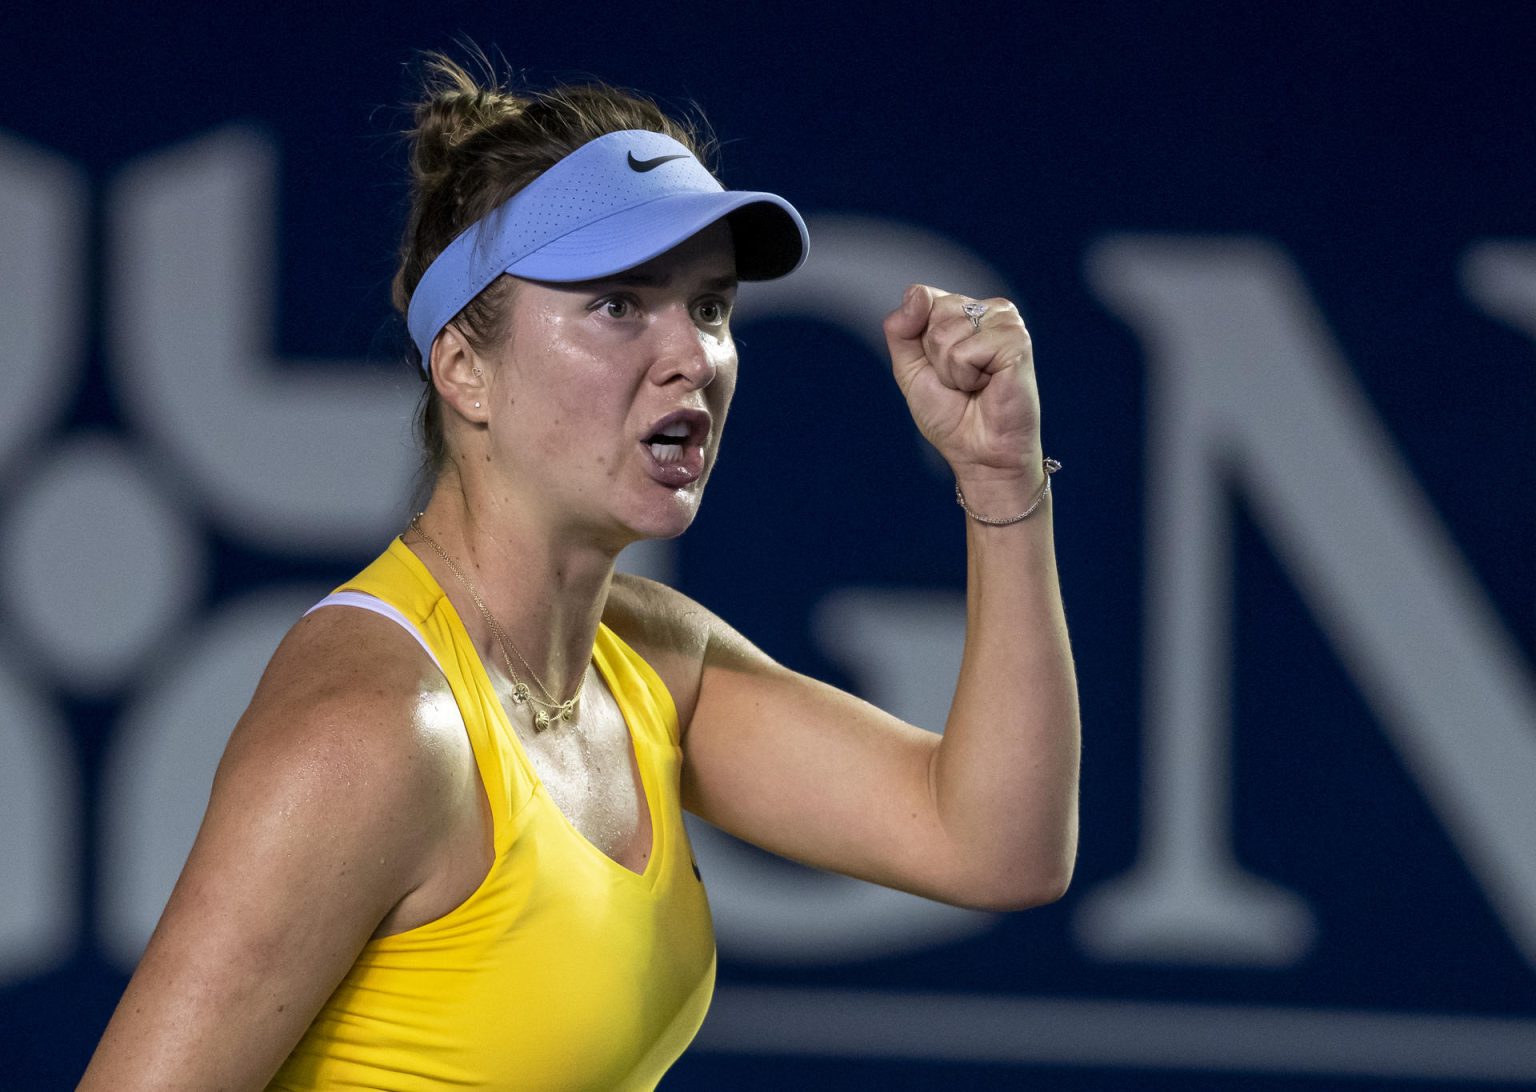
point(667, 444)
point(676, 446)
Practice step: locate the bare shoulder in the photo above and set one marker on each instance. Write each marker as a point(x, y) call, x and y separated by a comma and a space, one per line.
point(674, 634)
point(647, 613)
point(351, 758)
point(348, 702)
point(333, 797)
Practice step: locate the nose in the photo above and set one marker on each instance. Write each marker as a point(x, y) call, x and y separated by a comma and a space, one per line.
point(686, 353)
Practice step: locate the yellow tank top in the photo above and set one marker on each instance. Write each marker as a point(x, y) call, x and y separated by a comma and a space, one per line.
point(564, 969)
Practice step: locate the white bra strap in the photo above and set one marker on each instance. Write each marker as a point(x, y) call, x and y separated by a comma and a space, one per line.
point(378, 606)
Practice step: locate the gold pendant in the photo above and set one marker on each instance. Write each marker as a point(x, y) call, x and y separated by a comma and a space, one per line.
point(540, 722)
point(520, 693)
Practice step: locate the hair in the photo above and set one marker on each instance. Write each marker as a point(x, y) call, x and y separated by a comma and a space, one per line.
point(476, 143)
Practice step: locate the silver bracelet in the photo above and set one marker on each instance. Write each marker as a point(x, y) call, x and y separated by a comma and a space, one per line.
point(1050, 465)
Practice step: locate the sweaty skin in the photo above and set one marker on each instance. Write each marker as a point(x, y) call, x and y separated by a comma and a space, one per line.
point(348, 804)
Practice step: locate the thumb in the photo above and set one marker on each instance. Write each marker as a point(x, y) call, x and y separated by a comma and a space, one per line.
point(904, 326)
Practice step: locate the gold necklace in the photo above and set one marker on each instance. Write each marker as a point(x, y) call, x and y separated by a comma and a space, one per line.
point(553, 709)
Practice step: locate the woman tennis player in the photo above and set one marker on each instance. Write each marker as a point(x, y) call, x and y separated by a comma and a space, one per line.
point(445, 846)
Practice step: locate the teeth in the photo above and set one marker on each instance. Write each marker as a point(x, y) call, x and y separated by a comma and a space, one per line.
point(666, 453)
point(678, 429)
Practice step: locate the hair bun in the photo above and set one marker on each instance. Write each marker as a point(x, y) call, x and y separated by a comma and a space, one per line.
point(454, 109)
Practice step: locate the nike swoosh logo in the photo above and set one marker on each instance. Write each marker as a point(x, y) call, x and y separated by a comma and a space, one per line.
point(643, 165)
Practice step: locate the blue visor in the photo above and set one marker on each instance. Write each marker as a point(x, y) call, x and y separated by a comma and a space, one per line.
point(612, 204)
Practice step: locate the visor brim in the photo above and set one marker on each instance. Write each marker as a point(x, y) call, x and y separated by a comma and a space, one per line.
point(770, 237)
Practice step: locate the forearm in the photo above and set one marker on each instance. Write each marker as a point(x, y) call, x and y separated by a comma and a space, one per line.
point(1004, 778)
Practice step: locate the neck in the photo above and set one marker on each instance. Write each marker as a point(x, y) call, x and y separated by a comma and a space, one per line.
point(542, 585)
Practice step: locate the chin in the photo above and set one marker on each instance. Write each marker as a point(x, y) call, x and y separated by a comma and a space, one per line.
point(668, 519)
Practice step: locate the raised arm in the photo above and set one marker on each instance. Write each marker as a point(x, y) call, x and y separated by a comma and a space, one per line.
point(985, 815)
point(1005, 776)
point(325, 813)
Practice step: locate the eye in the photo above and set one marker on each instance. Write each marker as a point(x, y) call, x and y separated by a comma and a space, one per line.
point(713, 311)
point(616, 307)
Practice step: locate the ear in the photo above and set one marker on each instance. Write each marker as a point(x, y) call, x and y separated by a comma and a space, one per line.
point(458, 373)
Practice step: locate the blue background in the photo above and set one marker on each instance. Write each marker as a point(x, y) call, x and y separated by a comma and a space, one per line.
point(1374, 144)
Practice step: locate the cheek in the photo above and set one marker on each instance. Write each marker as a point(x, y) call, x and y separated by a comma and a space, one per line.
point(721, 391)
point(722, 355)
point(562, 383)
point(590, 418)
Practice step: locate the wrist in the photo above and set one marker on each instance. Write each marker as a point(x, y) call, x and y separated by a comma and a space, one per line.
point(1003, 499)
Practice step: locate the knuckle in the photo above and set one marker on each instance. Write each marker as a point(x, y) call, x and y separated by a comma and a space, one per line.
point(1021, 359)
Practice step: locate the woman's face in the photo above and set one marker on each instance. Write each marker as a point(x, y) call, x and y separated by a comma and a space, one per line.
point(608, 397)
